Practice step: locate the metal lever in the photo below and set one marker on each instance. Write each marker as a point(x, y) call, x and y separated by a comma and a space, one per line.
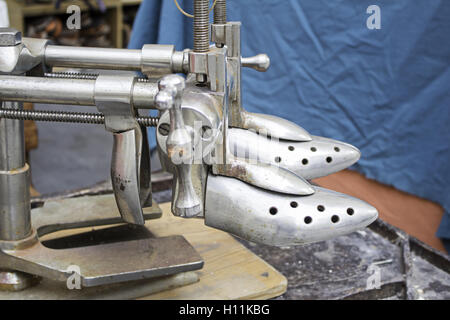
point(260, 62)
point(185, 202)
point(130, 174)
point(125, 174)
point(130, 163)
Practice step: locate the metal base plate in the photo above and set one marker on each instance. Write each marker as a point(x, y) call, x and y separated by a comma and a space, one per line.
point(56, 290)
point(114, 262)
point(81, 212)
point(130, 254)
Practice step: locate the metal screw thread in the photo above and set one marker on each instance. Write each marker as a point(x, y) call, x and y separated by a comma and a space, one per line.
point(72, 75)
point(74, 117)
point(144, 80)
point(201, 25)
point(220, 12)
point(83, 76)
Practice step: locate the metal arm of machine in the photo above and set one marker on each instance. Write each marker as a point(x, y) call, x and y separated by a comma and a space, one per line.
point(153, 60)
point(69, 91)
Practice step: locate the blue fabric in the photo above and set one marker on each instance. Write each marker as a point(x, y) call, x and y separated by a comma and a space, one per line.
point(385, 91)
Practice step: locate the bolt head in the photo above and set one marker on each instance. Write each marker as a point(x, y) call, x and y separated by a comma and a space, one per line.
point(10, 37)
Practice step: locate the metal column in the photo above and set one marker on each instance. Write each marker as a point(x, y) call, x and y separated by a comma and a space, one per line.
point(15, 221)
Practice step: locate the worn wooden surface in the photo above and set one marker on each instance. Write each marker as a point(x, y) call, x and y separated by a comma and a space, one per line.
point(231, 271)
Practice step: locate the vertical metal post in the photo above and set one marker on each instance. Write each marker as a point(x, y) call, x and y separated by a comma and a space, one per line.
point(220, 12)
point(201, 30)
point(15, 221)
point(201, 25)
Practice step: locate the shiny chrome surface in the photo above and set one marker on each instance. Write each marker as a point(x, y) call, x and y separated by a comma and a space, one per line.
point(15, 221)
point(274, 126)
point(261, 175)
point(152, 58)
point(14, 179)
point(230, 34)
point(125, 165)
point(95, 58)
point(10, 37)
point(19, 55)
point(113, 99)
point(201, 115)
point(47, 90)
point(265, 176)
point(68, 91)
point(278, 219)
point(260, 62)
point(130, 163)
point(179, 146)
point(12, 143)
point(310, 159)
point(157, 60)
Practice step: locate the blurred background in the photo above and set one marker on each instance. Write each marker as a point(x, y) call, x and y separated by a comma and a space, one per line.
point(385, 90)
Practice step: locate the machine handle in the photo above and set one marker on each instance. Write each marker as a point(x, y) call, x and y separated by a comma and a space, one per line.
point(260, 62)
point(179, 147)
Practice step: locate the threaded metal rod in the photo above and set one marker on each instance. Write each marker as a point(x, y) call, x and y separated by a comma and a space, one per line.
point(73, 117)
point(220, 12)
point(83, 76)
point(201, 25)
point(71, 75)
